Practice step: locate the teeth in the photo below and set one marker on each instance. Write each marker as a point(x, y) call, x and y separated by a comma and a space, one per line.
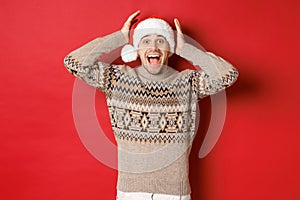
point(153, 56)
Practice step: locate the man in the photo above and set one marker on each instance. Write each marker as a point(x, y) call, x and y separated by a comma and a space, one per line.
point(152, 107)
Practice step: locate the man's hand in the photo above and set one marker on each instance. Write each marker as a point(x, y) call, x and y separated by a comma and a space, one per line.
point(180, 38)
point(128, 24)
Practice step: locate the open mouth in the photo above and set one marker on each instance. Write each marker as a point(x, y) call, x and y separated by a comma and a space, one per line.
point(153, 59)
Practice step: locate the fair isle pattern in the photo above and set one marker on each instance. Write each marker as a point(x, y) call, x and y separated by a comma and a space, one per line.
point(152, 127)
point(150, 111)
point(92, 75)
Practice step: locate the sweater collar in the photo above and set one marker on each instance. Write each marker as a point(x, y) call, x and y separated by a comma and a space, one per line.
point(144, 75)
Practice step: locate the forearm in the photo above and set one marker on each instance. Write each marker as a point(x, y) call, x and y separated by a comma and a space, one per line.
point(88, 54)
point(215, 67)
point(219, 73)
point(83, 62)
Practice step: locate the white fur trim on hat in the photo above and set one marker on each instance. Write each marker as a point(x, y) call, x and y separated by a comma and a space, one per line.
point(129, 53)
point(147, 27)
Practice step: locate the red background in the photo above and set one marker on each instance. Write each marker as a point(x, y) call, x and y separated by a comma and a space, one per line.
point(257, 155)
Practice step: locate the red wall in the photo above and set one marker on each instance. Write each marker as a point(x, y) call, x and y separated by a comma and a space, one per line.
point(257, 155)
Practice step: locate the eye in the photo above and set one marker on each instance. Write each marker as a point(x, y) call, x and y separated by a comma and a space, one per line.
point(146, 41)
point(160, 41)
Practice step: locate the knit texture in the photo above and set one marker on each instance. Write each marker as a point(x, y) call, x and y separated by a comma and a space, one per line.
point(152, 116)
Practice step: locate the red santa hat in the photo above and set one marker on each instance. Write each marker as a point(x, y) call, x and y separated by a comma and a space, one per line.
point(147, 27)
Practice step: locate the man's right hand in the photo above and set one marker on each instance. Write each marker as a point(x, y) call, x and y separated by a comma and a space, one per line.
point(128, 24)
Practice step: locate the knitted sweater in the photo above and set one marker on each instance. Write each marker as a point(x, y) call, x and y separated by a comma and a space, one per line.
point(152, 116)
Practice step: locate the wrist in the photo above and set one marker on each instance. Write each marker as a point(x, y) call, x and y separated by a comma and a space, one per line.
point(125, 34)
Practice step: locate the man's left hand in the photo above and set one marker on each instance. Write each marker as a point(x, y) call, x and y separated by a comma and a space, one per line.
point(180, 37)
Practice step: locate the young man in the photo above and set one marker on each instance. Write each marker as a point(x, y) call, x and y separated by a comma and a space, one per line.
point(152, 107)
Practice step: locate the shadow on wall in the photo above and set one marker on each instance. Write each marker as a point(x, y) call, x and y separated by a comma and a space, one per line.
point(247, 86)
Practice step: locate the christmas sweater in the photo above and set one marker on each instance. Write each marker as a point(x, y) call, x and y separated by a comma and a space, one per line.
point(153, 117)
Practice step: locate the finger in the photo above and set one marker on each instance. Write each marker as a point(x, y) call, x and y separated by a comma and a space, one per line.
point(134, 15)
point(177, 25)
point(137, 13)
point(133, 22)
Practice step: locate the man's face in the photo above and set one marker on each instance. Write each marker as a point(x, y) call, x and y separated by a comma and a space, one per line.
point(154, 51)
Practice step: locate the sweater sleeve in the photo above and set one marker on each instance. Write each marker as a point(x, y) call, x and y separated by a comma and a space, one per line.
point(216, 73)
point(83, 62)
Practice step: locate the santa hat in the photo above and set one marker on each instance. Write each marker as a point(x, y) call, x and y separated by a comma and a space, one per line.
point(144, 28)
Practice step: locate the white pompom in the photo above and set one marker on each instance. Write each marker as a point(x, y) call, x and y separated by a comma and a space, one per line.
point(129, 53)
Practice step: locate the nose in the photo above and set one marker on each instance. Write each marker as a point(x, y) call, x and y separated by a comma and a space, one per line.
point(153, 46)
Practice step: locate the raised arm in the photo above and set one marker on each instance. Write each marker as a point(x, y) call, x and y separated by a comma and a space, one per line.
point(216, 73)
point(83, 62)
